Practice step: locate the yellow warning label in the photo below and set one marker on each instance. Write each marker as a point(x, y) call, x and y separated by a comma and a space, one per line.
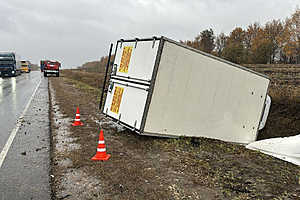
point(126, 55)
point(115, 105)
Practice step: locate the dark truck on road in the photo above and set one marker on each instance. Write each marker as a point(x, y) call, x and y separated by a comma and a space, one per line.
point(50, 67)
point(9, 65)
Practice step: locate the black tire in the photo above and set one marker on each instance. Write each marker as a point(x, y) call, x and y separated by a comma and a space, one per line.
point(57, 74)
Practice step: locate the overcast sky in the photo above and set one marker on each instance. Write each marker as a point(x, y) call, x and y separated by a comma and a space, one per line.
point(77, 31)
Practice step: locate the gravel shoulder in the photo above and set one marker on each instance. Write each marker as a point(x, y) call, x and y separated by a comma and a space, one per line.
point(143, 167)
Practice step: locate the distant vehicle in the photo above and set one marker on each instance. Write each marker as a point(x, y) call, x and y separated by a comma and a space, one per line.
point(25, 66)
point(51, 67)
point(9, 64)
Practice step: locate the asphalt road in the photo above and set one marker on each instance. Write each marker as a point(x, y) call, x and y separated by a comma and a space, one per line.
point(24, 132)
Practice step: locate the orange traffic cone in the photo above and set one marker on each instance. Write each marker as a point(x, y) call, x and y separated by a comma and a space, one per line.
point(77, 121)
point(101, 150)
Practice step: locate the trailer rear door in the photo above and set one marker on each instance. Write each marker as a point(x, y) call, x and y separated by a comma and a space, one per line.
point(135, 60)
point(125, 102)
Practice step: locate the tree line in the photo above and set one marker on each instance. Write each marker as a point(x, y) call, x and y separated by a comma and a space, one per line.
point(278, 41)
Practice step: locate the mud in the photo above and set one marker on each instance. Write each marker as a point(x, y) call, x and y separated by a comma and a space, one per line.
point(62, 137)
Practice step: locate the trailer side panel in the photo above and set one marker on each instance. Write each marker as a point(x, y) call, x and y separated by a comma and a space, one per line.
point(196, 95)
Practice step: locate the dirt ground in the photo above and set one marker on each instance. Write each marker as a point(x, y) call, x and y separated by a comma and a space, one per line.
point(143, 167)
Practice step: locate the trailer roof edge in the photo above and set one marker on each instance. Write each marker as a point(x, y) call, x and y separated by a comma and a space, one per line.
point(215, 57)
point(141, 39)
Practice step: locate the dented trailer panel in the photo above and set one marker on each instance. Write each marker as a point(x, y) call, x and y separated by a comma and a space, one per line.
point(190, 93)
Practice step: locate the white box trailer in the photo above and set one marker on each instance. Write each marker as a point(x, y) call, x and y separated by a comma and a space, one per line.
point(161, 87)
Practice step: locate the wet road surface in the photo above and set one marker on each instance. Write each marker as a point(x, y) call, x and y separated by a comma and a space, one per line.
point(15, 92)
point(24, 173)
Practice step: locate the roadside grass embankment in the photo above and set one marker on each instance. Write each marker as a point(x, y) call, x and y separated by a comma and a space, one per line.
point(143, 167)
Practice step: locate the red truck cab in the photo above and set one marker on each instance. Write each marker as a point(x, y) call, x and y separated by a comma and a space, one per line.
point(51, 67)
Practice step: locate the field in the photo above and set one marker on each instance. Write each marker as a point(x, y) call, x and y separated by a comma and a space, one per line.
point(143, 167)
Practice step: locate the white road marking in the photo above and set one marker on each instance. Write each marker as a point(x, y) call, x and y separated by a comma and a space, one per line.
point(15, 130)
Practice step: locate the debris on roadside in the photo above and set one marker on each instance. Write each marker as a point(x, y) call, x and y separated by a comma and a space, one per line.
point(286, 148)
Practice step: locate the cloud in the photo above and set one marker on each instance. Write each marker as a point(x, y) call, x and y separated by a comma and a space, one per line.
point(76, 31)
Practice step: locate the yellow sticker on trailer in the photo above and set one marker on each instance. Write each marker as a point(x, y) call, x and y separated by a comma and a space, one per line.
point(126, 55)
point(116, 102)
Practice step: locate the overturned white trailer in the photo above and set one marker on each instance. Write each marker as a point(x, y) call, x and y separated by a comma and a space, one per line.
point(161, 87)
